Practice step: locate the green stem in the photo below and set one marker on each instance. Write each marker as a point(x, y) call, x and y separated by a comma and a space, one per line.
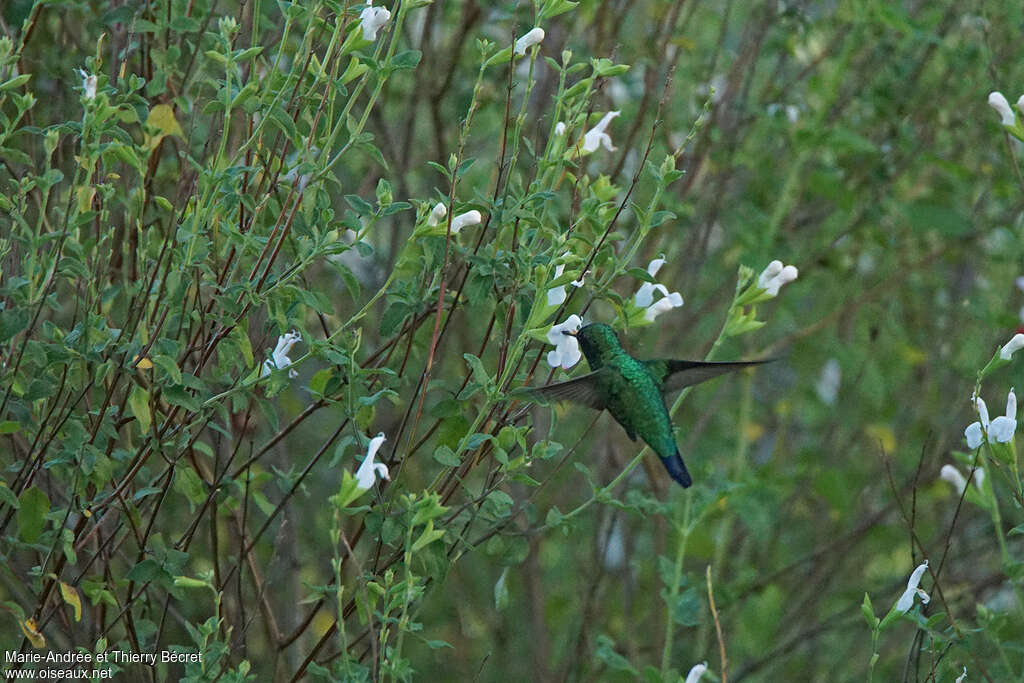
point(677, 578)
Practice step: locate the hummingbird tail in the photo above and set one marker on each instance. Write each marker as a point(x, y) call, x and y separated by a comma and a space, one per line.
point(677, 469)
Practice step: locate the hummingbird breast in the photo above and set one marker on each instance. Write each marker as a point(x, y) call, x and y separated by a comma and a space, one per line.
point(635, 401)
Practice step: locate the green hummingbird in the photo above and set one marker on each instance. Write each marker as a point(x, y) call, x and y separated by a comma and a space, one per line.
point(634, 390)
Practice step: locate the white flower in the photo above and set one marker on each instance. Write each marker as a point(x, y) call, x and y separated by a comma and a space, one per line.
point(644, 297)
point(906, 600)
point(1009, 348)
point(973, 435)
point(88, 85)
point(556, 295)
point(774, 276)
point(367, 473)
point(962, 677)
point(997, 101)
point(828, 383)
point(560, 130)
point(974, 431)
point(696, 672)
point(437, 213)
point(1020, 104)
point(1020, 281)
point(371, 20)
point(567, 349)
point(280, 359)
point(532, 37)
point(463, 219)
point(663, 305)
point(1002, 428)
point(953, 476)
point(597, 136)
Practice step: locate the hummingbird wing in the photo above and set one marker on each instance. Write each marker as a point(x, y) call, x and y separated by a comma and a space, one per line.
point(674, 375)
point(583, 390)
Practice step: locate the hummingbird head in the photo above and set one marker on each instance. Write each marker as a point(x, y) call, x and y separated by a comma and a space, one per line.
point(597, 341)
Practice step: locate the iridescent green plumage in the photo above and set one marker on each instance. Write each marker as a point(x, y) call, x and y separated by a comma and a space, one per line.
point(633, 390)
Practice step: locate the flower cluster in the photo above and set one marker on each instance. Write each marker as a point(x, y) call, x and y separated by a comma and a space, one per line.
point(999, 430)
point(279, 359)
point(532, 37)
point(998, 101)
point(563, 338)
point(465, 219)
point(437, 213)
point(371, 20)
point(906, 600)
point(597, 137)
point(369, 470)
point(774, 276)
point(1015, 344)
point(88, 85)
point(645, 295)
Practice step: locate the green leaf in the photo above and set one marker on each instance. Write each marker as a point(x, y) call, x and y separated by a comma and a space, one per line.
point(144, 571)
point(138, 405)
point(607, 654)
point(167, 364)
point(15, 82)
point(446, 457)
point(32, 511)
point(9, 427)
point(359, 205)
point(409, 59)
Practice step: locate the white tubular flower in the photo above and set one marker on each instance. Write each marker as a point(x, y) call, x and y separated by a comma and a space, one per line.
point(1002, 428)
point(962, 677)
point(533, 37)
point(560, 130)
point(371, 20)
point(437, 213)
point(567, 349)
point(906, 600)
point(975, 431)
point(774, 276)
point(556, 295)
point(597, 137)
point(662, 305)
point(1020, 104)
point(644, 297)
point(997, 101)
point(979, 477)
point(279, 359)
point(88, 85)
point(973, 435)
point(829, 382)
point(1015, 344)
point(696, 672)
point(463, 219)
point(953, 476)
point(367, 473)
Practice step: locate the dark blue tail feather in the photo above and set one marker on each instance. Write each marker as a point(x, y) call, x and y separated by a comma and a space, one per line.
point(677, 470)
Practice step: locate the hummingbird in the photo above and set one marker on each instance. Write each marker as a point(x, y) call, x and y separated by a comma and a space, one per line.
point(634, 390)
